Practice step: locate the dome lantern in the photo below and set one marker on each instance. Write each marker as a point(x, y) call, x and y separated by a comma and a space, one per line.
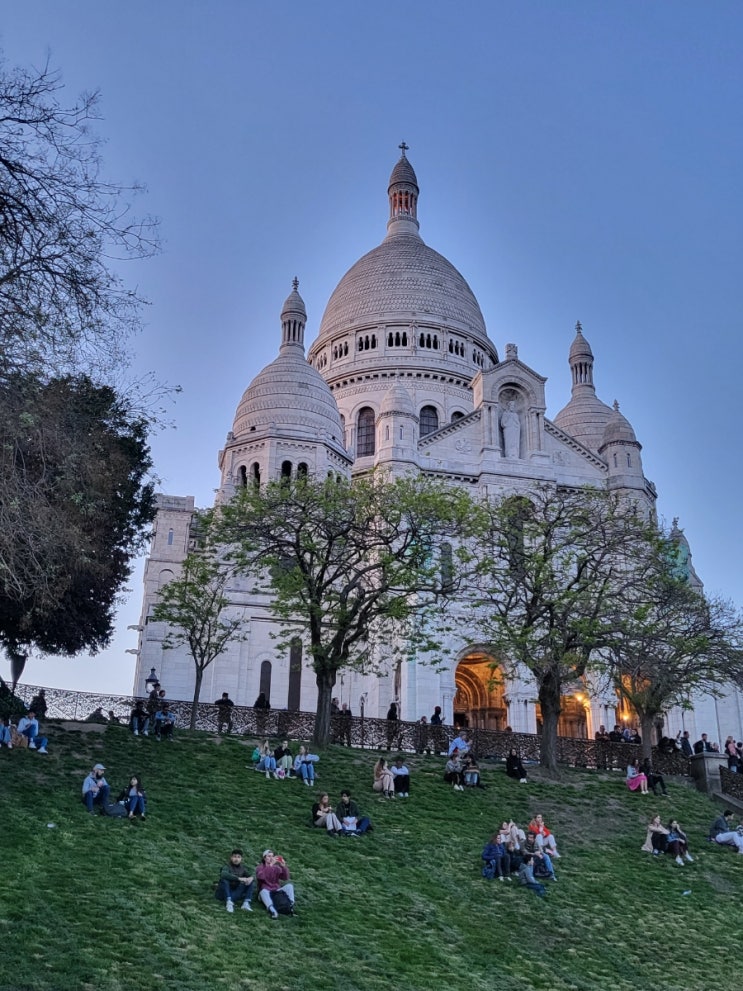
point(293, 318)
point(403, 196)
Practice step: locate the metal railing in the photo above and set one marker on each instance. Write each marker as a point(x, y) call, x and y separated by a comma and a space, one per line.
point(357, 731)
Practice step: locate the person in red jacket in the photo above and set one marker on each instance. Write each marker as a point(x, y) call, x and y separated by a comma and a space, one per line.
point(545, 839)
point(270, 874)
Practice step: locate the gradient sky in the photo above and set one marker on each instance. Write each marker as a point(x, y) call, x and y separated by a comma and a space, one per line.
point(576, 160)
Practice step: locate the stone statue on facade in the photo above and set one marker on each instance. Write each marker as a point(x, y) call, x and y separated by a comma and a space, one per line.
point(511, 426)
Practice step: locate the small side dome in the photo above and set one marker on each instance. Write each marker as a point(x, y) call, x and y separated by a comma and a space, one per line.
point(294, 304)
point(618, 429)
point(397, 400)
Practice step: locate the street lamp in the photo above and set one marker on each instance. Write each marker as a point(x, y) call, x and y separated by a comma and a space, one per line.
point(151, 680)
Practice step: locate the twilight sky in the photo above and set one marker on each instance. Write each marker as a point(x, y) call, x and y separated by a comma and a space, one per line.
point(576, 160)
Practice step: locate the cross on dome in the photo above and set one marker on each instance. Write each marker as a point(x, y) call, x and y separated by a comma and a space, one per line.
point(403, 148)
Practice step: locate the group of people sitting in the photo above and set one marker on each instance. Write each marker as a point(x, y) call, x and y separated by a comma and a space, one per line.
point(279, 762)
point(462, 770)
point(394, 781)
point(527, 853)
point(345, 820)
point(642, 777)
point(97, 794)
point(25, 734)
point(669, 839)
point(723, 832)
point(157, 715)
point(275, 890)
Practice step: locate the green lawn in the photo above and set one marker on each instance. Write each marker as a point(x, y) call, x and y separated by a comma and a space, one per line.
point(106, 905)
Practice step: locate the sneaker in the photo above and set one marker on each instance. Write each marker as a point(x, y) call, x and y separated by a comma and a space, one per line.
point(136, 732)
point(146, 732)
point(268, 774)
point(247, 907)
point(306, 782)
point(679, 861)
point(522, 781)
point(32, 745)
point(554, 854)
point(43, 750)
point(274, 915)
point(656, 853)
point(10, 746)
point(230, 905)
point(689, 858)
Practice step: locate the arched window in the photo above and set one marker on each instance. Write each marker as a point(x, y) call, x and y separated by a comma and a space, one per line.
point(286, 471)
point(170, 537)
point(429, 420)
point(265, 684)
point(456, 415)
point(365, 432)
point(255, 472)
point(302, 470)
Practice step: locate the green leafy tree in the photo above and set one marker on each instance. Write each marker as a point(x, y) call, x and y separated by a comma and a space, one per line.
point(670, 640)
point(351, 566)
point(75, 507)
point(551, 569)
point(197, 609)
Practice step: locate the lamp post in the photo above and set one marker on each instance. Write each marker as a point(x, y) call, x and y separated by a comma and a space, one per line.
point(151, 680)
point(362, 706)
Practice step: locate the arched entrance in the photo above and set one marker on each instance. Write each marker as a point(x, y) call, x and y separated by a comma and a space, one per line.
point(479, 701)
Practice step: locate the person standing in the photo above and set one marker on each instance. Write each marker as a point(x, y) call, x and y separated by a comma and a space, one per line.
point(235, 883)
point(95, 788)
point(38, 704)
point(273, 875)
point(437, 733)
point(703, 746)
point(224, 706)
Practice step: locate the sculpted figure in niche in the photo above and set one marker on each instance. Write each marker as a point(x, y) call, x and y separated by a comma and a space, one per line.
point(511, 427)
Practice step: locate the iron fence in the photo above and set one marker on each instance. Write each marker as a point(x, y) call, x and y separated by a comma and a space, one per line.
point(357, 731)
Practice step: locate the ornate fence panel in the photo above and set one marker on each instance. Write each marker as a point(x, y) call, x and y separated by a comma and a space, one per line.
point(731, 783)
point(368, 733)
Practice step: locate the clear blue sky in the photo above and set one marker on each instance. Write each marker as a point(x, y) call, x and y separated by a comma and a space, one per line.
point(577, 160)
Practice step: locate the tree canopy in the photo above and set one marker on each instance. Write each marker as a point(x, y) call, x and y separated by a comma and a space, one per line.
point(76, 505)
point(552, 568)
point(352, 567)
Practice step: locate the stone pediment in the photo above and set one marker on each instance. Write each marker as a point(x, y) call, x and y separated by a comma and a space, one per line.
point(574, 446)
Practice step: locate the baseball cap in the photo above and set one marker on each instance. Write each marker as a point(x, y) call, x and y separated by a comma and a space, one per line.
point(98, 767)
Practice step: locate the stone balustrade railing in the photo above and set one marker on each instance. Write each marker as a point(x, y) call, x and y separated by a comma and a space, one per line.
point(365, 732)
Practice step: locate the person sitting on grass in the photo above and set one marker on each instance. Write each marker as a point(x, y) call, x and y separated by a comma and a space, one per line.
point(496, 856)
point(266, 760)
point(164, 723)
point(655, 781)
point(471, 771)
point(722, 833)
point(96, 789)
point(401, 775)
point(514, 767)
point(636, 779)
point(453, 772)
point(460, 743)
point(134, 797)
point(304, 766)
point(139, 720)
point(270, 874)
point(526, 877)
point(352, 822)
point(678, 844)
point(657, 837)
point(235, 884)
point(28, 726)
point(6, 737)
point(512, 838)
point(323, 815)
point(545, 838)
point(383, 780)
point(542, 861)
point(284, 759)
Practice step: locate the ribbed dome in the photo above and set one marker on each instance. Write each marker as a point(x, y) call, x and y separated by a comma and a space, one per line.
point(289, 393)
point(585, 418)
point(580, 348)
point(618, 429)
point(403, 172)
point(402, 279)
point(294, 304)
point(397, 399)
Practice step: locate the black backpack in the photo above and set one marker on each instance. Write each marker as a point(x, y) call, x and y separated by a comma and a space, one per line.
point(117, 810)
point(282, 902)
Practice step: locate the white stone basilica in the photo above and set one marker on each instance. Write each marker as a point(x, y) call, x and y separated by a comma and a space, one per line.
point(403, 375)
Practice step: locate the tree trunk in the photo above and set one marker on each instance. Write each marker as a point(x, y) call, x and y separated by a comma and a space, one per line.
point(647, 724)
point(549, 702)
point(325, 685)
point(196, 694)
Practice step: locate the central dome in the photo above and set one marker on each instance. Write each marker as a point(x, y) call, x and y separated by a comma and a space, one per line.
point(403, 281)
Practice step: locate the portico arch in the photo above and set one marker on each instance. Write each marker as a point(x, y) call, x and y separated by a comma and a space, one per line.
point(480, 697)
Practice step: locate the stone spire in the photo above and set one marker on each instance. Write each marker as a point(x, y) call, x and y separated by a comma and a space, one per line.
point(403, 196)
point(580, 358)
point(293, 319)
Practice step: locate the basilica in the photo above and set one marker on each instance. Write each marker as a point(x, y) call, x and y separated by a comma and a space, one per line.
point(403, 375)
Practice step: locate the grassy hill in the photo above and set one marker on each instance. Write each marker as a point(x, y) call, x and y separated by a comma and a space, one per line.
point(103, 904)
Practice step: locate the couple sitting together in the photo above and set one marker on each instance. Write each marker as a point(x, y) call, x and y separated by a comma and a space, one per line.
point(345, 820)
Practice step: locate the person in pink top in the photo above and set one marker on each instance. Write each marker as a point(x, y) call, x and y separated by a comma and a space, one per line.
point(272, 875)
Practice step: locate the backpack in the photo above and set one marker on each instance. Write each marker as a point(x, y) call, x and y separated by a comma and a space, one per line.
point(282, 902)
point(117, 810)
point(488, 870)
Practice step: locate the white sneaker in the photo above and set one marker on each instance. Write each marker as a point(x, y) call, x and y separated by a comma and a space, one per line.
point(274, 915)
point(230, 905)
point(268, 774)
point(146, 732)
point(43, 750)
point(679, 861)
point(32, 745)
point(522, 781)
point(689, 858)
point(247, 907)
point(10, 746)
point(136, 732)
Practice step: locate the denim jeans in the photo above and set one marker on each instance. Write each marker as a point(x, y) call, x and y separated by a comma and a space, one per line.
point(135, 804)
point(101, 798)
point(307, 771)
point(237, 891)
